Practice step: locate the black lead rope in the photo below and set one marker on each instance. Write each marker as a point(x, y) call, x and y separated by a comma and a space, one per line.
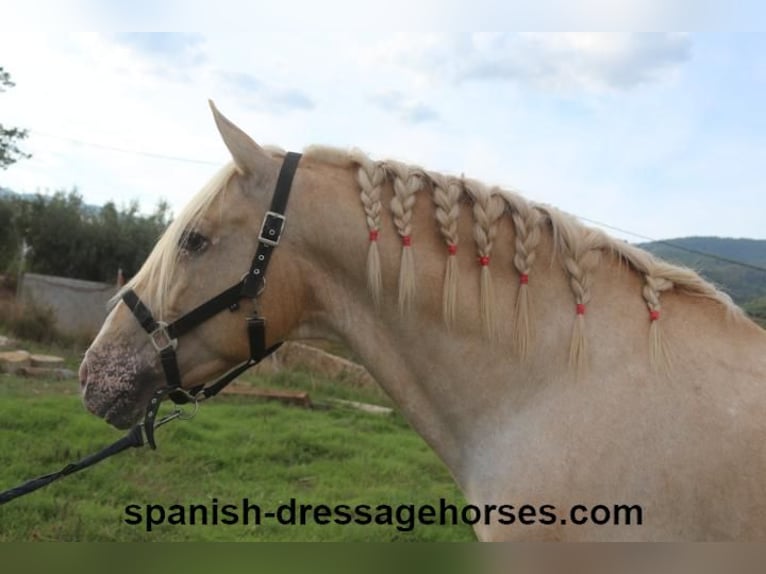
point(164, 338)
point(139, 435)
point(134, 438)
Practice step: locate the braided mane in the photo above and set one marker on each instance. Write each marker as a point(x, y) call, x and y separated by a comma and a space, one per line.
point(579, 248)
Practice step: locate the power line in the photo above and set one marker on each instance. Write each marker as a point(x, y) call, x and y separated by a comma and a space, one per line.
point(676, 246)
point(123, 150)
point(204, 162)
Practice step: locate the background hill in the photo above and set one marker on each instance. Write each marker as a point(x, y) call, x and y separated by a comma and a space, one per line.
point(716, 259)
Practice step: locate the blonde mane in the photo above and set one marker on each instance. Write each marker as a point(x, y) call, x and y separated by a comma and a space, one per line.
point(579, 248)
point(155, 277)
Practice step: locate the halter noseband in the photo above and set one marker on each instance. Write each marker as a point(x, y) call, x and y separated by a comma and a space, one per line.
point(164, 336)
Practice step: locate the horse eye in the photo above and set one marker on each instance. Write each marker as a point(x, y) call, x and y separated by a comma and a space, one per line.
point(193, 242)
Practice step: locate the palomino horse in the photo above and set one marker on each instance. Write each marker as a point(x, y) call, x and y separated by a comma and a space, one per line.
point(546, 363)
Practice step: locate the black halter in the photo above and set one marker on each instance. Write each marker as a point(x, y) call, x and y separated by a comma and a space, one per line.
point(164, 336)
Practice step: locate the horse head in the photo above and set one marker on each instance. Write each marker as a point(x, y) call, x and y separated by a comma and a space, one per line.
point(202, 253)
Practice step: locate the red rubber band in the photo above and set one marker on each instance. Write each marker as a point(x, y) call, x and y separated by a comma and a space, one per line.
point(484, 261)
point(374, 235)
point(406, 240)
point(452, 248)
point(654, 315)
point(524, 279)
point(581, 309)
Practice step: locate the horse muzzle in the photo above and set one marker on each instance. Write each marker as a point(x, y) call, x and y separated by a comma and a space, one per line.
point(116, 387)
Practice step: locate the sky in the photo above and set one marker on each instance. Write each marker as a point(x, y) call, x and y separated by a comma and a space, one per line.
point(662, 135)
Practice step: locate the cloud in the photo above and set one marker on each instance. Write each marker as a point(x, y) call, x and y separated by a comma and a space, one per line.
point(254, 93)
point(241, 82)
point(561, 62)
point(168, 54)
point(183, 57)
point(292, 100)
point(409, 109)
point(171, 45)
point(162, 43)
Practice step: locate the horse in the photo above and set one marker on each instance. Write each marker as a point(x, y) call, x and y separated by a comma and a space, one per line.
point(551, 367)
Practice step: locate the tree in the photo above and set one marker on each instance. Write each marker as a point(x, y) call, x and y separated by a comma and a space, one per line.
point(10, 239)
point(65, 237)
point(9, 151)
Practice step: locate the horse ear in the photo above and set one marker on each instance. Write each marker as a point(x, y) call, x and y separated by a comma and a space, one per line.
point(248, 156)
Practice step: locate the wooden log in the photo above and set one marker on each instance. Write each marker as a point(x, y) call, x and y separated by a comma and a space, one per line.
point(12, 361)
point(364, 407)
point(297, 398)
point(47, 361)
point(46, 373)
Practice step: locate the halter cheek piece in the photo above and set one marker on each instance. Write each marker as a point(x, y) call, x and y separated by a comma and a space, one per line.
point(164, 336)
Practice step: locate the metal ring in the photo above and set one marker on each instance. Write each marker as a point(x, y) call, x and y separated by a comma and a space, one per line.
point(161, 339)
point(185, 416)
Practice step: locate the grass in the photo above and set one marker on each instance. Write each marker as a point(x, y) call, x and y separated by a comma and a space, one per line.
point(236, 448)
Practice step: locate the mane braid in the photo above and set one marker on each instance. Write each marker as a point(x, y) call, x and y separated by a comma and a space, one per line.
point(527, 222)
point(446, 197)
point(658, 349)
point(371, 176)
point(488, 207)
point(406, 181)
point(580, 249)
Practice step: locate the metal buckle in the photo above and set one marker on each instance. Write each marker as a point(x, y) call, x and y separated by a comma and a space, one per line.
point(152, 422)
point(271, 240)
point(160, 338)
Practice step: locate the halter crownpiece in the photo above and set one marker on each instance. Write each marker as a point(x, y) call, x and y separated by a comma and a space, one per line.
point(164, 336)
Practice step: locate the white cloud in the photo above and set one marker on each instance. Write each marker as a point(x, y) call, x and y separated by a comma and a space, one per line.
point(257, 94)
point(250, 18)
point(623, 145)
point(409, 109)
point(181, 48)
point(168, 55)
point(563, 62)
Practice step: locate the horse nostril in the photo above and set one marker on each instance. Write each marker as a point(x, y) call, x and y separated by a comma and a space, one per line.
point(83, 373)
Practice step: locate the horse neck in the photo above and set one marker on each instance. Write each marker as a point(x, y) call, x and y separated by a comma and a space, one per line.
point(451, 382)
point(438, 376)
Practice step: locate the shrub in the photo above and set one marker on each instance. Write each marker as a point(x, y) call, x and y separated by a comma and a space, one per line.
point(29, 322)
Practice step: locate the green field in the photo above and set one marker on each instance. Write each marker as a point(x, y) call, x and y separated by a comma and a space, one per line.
point(236, 448)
